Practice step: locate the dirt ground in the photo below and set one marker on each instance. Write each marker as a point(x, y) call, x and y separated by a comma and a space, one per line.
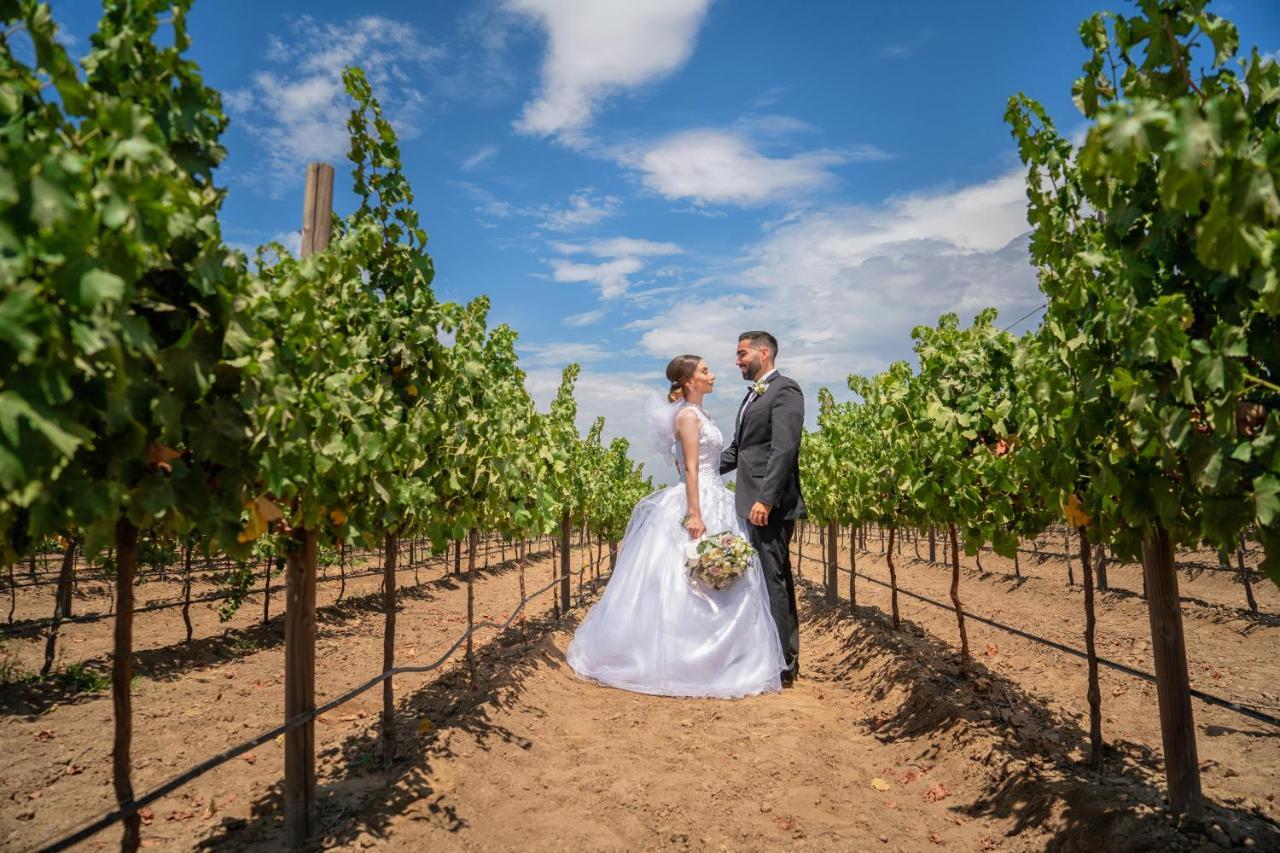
point(883, 744)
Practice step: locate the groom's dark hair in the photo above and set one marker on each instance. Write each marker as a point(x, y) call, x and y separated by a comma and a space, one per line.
point(761, 339)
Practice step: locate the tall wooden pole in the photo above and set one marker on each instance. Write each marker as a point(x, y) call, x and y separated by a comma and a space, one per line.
point(300, 584)
point(122, 681)
point(389, 651)
point(832, 576)
point(565, 529)
point(1173, 687)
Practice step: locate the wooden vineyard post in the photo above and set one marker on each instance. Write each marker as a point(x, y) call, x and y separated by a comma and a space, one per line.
point(266, 590)
point(893, 580)
point(300, 585)
point(832, 574)
point(122, 680)
point(555, 567)
point(853, 568)
point(1091, 651)
point(61, 605)
point(389, 652)
point(186, 586)
point(955, 596)
point(473, 538)
point(1173, 687)
point(300, 686)
point(1244, 578)
point(800, 551)
point(522, 551)
point(565, 530)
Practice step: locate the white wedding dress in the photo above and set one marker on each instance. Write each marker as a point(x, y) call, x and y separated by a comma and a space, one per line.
point(654, 632)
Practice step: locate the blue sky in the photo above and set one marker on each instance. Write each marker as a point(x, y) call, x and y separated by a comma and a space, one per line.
point(630, 181)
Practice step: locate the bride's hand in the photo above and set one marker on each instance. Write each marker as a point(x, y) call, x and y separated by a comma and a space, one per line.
point(695, 527)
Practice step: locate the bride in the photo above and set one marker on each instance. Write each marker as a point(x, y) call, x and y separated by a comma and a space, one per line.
point(653, 631)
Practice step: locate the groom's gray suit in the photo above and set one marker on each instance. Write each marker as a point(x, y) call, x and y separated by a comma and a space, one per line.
point(766, 453)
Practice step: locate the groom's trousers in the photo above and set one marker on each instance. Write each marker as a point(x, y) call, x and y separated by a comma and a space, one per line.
point(773, 543)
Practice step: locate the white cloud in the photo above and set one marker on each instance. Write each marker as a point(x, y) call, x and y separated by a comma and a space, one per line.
point(298, 109)
point(715, 166)
point(596, 48)
point(610, 276)
point(291, 240)
point(560, 353)
point(585, 208)
point(479, 158)
point(586, 318)
point(623, 258)
point(842, 287)
point(618, 247)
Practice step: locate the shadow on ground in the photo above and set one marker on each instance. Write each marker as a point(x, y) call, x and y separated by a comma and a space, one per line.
point(1027, 754)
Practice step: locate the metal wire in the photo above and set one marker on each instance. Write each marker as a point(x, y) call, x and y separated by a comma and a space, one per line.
point(1207, 698)
point(131, 808)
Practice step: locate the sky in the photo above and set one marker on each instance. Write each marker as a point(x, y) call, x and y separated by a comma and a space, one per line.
point(629, 181)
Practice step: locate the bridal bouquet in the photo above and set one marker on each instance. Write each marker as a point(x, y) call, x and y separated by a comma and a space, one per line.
point(718, 559)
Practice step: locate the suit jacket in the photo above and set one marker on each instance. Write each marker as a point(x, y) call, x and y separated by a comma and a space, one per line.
point(766, 451)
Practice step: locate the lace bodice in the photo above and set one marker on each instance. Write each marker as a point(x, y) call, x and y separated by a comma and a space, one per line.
point(710, 444)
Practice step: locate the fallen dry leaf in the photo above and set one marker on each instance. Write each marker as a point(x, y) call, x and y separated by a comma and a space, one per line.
point(146, 815)
point(180, 814)
point(880, 784)
point(992, 650)
point(936, 838)
point(44, 734)
point(250, 758)
point(783, 823)
point(73, 770)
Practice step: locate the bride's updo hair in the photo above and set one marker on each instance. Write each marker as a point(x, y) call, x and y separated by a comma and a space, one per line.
point(680, 371)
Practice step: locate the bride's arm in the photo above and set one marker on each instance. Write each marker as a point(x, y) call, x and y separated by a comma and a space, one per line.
point(687, 428)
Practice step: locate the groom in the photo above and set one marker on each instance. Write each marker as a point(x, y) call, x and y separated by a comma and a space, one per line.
point(766, 452)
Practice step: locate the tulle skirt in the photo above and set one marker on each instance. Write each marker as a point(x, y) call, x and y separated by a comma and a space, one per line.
point(654, 632)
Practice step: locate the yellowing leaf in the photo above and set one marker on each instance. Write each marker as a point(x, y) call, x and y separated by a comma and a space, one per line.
point(261, 513)
point(1076, 516)
point(880, 784)
point(425, 726)
point(338, 517)
point(412, 390)
point(267, 509)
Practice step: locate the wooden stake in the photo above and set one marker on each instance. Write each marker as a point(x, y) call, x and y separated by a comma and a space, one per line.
point(893, 579)
point(853, 568)
point(186, 586)
point(1173, 687)
point(61, 605)
point(955, 596)
point(473, 538)
point(565, 530)
point(389, 651)
point(832, 577)
point(122, 681)
point(300, 687)
point(1091, 652)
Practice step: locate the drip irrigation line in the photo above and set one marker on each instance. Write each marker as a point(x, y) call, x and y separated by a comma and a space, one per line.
point(131, 808)
point(21, 628)
point(1207, 698)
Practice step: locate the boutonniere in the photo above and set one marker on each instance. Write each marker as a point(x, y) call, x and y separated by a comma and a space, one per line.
point(758, 388)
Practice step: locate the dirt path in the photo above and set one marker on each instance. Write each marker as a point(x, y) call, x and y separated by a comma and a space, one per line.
point(881, 745)
point(192, 701)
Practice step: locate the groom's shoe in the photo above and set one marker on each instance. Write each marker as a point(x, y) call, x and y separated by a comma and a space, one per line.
point(789, 678)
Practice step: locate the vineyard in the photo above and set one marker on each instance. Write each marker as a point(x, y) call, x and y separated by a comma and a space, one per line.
point(209, 462)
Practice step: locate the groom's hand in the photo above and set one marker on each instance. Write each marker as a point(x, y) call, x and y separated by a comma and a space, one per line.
point(759, 514)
